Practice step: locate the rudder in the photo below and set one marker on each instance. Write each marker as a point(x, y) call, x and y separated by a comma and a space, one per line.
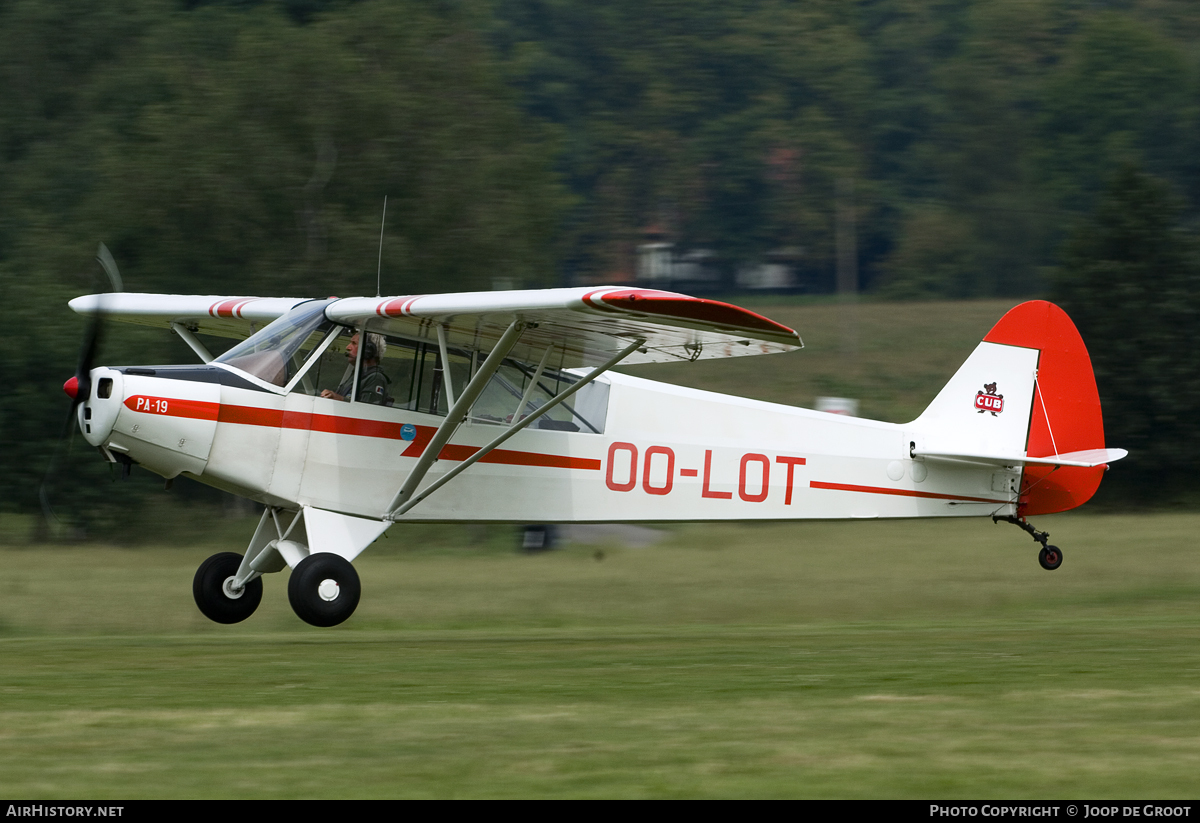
point(1065, 415)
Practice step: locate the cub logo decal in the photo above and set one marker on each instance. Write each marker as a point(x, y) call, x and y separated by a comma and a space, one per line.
point(988, 401)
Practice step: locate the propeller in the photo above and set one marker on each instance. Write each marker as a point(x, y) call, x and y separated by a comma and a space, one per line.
point(79, 386)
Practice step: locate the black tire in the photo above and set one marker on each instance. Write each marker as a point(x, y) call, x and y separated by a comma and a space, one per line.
point(305, 589)
point(1050, 557)
point(208, 589)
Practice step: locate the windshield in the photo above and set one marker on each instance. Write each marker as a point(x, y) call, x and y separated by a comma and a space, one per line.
point(277, 352)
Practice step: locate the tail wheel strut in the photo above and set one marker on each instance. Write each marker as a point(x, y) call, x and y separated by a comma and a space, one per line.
point(1050, 557)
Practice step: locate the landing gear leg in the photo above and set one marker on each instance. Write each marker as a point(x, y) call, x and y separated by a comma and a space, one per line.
point(1050, 556)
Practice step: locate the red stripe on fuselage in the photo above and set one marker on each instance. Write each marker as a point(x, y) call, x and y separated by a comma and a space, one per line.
point(384, 430)
point(172, 407)
point(847, 487)
point(251, 416)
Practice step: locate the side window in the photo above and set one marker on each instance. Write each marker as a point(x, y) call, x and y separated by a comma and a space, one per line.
point(414, 372)
point(500, 397)
point(332, 370)
point(414, 375)
point(589, 406)
point(586, 411)
point(400, 365)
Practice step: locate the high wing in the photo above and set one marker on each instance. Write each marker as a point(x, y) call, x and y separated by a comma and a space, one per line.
point(237, 317)
point(586, 326)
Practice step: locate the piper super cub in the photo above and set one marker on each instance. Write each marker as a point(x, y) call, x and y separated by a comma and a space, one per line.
point(502, 407)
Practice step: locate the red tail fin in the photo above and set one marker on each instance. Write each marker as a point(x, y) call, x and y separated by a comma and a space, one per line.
point(1066, 406)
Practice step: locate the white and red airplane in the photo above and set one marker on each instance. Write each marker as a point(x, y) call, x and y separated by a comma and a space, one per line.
point(502, 407)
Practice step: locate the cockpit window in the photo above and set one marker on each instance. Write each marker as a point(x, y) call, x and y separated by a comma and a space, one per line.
point(501, 399)
point(415, 377)
point(277, 353)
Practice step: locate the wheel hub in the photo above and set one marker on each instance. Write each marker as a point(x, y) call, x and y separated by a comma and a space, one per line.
point(329, 590)
point(229, 591)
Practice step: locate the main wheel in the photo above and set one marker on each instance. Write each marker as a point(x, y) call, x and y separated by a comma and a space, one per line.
point(217, 601)
point(1050, 557)
point(324, 589)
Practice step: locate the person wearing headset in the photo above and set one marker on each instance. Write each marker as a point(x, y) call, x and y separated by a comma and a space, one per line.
point(372, 382)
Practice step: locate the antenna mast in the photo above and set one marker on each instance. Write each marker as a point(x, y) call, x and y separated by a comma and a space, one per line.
point(379, 266)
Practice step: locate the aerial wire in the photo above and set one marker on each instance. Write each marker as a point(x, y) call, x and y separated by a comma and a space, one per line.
point(379, 266)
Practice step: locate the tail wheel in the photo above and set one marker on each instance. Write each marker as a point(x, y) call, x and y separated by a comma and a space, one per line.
point(215, 596)
point(324, 589)
point(1050, 557)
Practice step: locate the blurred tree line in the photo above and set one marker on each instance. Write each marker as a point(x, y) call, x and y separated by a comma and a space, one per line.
point(1130, 279)
point(236, 146)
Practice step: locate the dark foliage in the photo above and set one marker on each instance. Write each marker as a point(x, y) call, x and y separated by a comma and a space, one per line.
point(1131, 281)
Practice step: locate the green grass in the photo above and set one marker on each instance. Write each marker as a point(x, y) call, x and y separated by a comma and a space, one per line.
point(906, 659)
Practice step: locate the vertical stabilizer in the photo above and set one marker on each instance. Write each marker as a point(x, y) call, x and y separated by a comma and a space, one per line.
point(1027, 391)
point(985, 408)
point(1066, 406)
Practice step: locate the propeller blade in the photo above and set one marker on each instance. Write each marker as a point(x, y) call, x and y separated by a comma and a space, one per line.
point(104, 256)
point(79, 387)
point(94, 332)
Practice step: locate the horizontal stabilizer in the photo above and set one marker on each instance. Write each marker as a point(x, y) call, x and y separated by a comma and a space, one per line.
point(1088, 458)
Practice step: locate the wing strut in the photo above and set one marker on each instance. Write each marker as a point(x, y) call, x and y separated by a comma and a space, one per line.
point(401, 504)
point(193, 343)
point(516, 417)
point(458, 413)
point(446, 379)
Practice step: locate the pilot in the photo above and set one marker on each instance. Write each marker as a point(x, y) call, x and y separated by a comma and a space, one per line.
point(372, 382)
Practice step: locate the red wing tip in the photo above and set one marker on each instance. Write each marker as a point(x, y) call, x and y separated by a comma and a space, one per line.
point(685, 307)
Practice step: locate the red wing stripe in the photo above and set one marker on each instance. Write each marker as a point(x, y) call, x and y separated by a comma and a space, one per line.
point(396, 307)
point(229, 308)
point(847, 487)
point(591, 297)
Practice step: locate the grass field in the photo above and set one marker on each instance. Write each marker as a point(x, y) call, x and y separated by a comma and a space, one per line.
point(911, 659)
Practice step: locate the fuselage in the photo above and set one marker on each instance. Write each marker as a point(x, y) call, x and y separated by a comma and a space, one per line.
point(663, 453)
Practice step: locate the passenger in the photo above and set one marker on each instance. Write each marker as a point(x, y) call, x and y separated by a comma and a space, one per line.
point(372, 382)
